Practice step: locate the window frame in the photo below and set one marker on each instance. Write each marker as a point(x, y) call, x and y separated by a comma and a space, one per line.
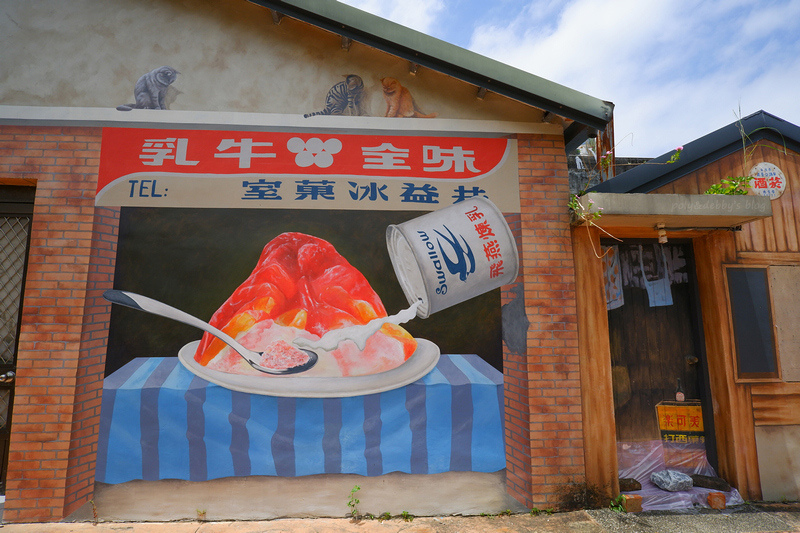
point(752, 377)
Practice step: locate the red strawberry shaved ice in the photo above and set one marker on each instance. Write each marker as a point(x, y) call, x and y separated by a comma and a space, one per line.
point(302, 287)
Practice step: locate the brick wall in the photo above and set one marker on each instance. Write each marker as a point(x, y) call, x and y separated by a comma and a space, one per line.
point(91, 365)
point(544, 430)
point(62, 337)
point(65, 322)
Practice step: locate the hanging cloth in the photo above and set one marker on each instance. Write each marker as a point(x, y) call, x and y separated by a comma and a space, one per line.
point(658, 291)
point(613, 277)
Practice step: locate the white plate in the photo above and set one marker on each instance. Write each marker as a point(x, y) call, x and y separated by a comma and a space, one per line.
point(422, 361)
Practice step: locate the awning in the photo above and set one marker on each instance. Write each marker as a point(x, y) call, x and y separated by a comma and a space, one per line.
point(671, 213)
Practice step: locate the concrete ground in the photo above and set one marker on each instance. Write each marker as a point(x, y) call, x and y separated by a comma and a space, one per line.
point(742, 519)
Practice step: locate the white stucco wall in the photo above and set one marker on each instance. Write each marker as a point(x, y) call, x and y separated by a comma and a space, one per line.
point(230, 55)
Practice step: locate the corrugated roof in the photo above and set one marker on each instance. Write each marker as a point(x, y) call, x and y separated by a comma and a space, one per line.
point(455, 61)
point(707, 149)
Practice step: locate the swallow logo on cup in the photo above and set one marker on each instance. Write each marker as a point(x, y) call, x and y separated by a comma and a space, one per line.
point(430, 252)
point(464, 263)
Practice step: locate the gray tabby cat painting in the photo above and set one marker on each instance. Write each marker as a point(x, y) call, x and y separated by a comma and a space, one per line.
point(345, 98)
point(150, 90)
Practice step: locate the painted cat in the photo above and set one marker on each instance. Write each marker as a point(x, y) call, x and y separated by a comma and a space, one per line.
point(399, 102)
point(150, 90)
point(345, 98)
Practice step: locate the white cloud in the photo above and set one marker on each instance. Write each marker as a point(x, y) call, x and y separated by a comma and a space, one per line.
point(419, 15)
point(675, 70)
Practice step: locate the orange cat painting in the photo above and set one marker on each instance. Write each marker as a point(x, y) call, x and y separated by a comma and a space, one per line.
point(399, 102)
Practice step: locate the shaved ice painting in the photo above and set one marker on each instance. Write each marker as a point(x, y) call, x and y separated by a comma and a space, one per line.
point(273, 280)
point(301, 287)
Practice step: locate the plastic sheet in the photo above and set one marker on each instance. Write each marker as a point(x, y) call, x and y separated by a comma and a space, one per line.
point(638, 460)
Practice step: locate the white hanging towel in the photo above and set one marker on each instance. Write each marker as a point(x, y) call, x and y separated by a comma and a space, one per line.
point(658, 291)
point(613, 277)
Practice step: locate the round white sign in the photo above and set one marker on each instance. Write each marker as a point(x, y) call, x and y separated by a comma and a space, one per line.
point(767, 180)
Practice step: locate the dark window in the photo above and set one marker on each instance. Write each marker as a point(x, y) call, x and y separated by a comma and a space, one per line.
point(752, 322)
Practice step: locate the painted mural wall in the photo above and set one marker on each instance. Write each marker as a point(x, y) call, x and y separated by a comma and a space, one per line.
point(270, 223)
point(199, 55)
point(280, 259)
point(278, 239)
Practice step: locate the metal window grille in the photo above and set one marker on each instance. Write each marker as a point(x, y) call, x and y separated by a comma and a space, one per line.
point(13, 242)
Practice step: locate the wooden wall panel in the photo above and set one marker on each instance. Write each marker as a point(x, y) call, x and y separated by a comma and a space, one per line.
point(594, 351)
point(686, 185)
point(768, 258)
point(669, 188)
point(791, 198)
point(775, 388)
point(779, 462)
point(733, 410)
point(740, 407)
point(775, 403)
point(776, 409)
point(784, 281)
point(781, 232)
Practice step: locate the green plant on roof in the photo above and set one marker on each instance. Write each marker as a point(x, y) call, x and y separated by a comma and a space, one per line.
point(731, 186)
point(605, 159)
point(737, 185)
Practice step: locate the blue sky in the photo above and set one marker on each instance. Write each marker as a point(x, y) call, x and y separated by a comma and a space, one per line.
point(675, 70)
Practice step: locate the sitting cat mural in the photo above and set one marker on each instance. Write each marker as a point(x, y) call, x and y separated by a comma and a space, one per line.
point(345, 98)
point(150, 90)
point(399, 102)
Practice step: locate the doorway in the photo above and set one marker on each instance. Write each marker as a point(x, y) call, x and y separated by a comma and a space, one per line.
point(16, 210)
point(655, 333)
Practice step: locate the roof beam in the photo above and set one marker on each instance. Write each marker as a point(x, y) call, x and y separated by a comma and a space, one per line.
point(576, 134)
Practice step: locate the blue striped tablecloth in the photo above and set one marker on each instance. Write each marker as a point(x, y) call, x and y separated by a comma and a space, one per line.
point(160, 421)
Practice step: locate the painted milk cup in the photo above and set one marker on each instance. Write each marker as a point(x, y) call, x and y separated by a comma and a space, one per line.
point(453, 254)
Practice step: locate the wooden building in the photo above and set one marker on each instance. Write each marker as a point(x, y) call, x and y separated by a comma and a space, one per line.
point(743, 274)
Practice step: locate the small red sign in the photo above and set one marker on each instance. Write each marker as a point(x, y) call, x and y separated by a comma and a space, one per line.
point(767, 179)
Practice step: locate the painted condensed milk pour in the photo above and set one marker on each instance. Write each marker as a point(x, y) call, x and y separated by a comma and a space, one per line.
point(451, 255)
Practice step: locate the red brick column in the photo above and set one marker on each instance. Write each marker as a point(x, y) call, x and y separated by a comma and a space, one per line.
point(544, 427)
point(62, 339)
point(92, 361)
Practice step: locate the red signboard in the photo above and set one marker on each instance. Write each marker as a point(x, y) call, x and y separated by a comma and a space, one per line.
point(127, 151)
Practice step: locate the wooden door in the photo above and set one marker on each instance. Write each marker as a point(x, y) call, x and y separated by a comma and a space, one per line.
point(655, 338)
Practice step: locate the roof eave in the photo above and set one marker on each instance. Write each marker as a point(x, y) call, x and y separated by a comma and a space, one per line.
point(703, 151)
point(446, 58)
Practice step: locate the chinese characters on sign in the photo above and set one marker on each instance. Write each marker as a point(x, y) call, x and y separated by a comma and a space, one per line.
point(680, 417)
point(491, 247)
point(173, 168)
point(682, 432)
point(767, 180)
point(156, 151)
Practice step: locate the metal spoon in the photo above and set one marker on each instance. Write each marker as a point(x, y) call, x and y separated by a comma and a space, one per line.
point(143, 303)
